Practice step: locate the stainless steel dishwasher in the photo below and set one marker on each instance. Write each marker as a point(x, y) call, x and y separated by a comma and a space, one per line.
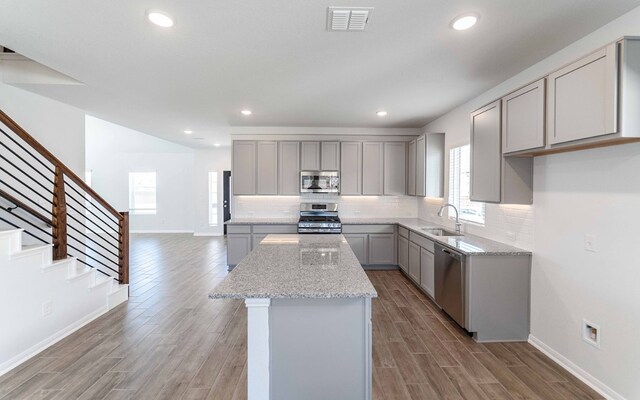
point(450, 268)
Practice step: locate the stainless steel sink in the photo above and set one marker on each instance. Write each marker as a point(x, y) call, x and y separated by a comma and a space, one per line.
point(440, 232)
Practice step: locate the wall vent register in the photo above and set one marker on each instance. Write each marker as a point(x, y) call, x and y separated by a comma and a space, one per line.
point(343, 19)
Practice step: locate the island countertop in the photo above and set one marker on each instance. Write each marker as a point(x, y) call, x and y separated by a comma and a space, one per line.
point(297, 266)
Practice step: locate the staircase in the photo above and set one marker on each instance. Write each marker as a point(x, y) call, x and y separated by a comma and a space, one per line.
point(63, 249)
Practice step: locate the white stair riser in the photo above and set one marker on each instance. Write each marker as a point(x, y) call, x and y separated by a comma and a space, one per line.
point(10, 242)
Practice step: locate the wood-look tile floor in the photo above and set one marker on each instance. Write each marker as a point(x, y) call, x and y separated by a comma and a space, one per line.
point(171, 342)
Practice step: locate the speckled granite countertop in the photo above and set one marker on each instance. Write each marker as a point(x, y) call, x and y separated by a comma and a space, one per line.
point(297, 266)
point(468, 244)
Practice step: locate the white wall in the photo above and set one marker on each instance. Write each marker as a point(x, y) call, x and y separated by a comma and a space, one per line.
point(589, 192)
point(215, 160)
point(113, 151)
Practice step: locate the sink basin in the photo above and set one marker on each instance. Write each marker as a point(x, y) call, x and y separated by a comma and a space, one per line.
point(440, 232)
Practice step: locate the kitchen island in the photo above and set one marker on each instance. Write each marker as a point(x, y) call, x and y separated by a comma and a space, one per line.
point(309, 318)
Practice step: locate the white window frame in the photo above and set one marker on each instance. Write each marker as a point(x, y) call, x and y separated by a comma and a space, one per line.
point(460, 187)
point(214, 218)
point(132, 206)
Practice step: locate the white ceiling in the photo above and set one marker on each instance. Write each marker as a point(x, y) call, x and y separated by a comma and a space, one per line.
point(276, 58)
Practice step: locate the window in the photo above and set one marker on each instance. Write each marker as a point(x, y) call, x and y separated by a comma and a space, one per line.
point(142, 192)
point(460, 186)
point(213, 198)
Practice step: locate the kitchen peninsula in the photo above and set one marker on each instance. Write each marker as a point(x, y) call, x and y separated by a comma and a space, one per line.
point(309, 318)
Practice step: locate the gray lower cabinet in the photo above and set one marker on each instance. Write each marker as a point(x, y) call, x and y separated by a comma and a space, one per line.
point(244, 167)
point(310, 156)
point(395, 168)
point(382, 249)
point(372, 168)
point(427, 271)
point(412, 168)
point(403, 253)
point(289, 168)
point(359, 244)
point(330, 156)
point(486, 154)
point(238, 247)
point(256, 238)
point(351, 168)
point(267, 167)
point(414, 261)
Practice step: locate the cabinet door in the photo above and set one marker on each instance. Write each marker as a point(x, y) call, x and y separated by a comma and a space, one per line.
point(382, 249)
point(414, 261)
point(427, 271)
point(412, 168)
point(421, 166)
point(372, 168)
point(582, 98)
point(486, 154)
point(256, 239)
point(310, 159)
point(244, 167)
point(403, 253)
point(267, 171)
point(351, 168)
point(289, 168)
point(330, 156)
point(523, 125)
point(395, 168)
point(359, 245)
point(238, 247)
point(434, 161)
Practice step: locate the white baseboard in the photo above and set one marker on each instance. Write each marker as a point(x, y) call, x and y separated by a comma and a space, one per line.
point(575, 370)
point(160, 231)
point(50, 341)
point(207, 234)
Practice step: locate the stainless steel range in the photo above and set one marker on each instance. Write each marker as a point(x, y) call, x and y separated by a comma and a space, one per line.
point(319, 218)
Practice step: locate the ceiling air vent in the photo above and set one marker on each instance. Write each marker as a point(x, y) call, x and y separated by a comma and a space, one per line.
point(348, 18)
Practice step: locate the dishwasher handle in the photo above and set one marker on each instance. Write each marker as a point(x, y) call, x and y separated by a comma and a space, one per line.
point(452, 253)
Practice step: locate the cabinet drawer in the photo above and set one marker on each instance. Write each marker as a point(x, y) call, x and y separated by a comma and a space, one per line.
point(368, 228)
point(421, 241)
point(275, 229)
point(404, 232)
point(238, 229)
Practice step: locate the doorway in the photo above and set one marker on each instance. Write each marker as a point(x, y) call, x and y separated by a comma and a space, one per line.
point(226, 205)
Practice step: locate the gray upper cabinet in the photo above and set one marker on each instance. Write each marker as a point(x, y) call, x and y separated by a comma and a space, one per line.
point(582, 98)
point(351, 168)
point(486, 154)
point(420, 167)
point(412, 168)
point(434, 165)
point(372, 168)
point(289, 168)
point(244, 168)
point(330, 156)
point(310, 159)
point(395, 168)
point(523, 119)
point(267, 171)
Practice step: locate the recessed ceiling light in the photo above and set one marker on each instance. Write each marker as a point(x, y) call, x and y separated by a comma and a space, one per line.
point(188, 131)
point(160, 18)
point(217, 144)
point(381, 113)
point(246, 112)
point(464, 22)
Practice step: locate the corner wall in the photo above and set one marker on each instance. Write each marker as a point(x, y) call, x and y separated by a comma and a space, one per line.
point(593, 192)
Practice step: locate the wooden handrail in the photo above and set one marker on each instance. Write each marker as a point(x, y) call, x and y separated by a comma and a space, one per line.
point(25, 207)
point(17, 129)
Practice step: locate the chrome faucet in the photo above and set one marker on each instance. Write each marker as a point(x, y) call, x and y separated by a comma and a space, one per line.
point(458, 224)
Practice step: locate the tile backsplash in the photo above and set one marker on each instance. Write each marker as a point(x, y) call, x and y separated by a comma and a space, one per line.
point(507, 223)
point(349, 206)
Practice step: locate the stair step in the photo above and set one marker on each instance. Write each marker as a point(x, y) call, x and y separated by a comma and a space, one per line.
point(68, 263)
point(78, 273)
point(10, 241)
point(26, 251)
point(101, 280)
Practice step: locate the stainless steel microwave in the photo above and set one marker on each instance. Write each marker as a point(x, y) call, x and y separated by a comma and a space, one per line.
point(319, 182)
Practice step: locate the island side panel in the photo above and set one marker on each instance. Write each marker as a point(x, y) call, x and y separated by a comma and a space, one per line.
point(320, 348)
point(259, 349)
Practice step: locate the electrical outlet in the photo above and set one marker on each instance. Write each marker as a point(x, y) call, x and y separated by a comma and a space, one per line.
point(591, 333)
point(47, 308)
point(590, 243)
